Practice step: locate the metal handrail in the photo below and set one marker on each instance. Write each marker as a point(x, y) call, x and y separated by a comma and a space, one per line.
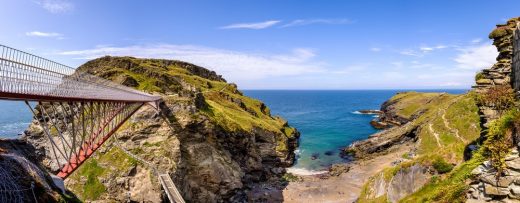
point(25, 76)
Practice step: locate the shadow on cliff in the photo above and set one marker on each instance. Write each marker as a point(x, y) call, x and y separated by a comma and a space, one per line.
point(23, 179)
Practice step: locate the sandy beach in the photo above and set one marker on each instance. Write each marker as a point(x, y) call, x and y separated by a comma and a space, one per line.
point(343, 188)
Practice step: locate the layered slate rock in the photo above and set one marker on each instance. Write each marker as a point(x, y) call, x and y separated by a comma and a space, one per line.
point(501, 72)
point(487, 186)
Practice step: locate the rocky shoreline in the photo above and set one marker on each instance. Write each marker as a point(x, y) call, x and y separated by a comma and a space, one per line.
point(343, 182)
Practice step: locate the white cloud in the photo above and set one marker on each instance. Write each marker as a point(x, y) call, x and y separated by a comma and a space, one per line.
point(56, 6)
point(236, 66)
point(375, 49)
point(426, 49)
point(44, 34)
point(423, 50)
point(476, 40)
point(302, 22)
point(411, 53)
point(254, 26)
point(477, 57)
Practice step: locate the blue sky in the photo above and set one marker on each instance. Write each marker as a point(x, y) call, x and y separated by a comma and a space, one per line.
point(273, 44)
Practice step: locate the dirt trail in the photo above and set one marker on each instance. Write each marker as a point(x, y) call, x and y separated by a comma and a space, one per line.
point(344, 188)
point(447, 125)
point(436, 135)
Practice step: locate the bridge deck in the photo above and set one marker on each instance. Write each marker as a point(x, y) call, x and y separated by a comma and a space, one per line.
point(24, 76)
point(169, 187)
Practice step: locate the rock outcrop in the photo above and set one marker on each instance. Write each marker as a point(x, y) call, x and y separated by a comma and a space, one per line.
point(401, 111)
point(433, 131)
point(216, 143)
point(392, 189)
point(22, 177)
point(500, 72)
point(487, 186)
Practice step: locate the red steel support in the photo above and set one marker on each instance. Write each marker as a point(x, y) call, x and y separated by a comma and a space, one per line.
point(89, 147)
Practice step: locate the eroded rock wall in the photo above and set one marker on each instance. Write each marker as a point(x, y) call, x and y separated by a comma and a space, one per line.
point(501, 73)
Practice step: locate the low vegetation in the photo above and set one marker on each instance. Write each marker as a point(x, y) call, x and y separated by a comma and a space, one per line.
point(289, 177)
point(497, 145)
point(441, 166)
point(226, 105)
point(499, 32)
point(501, 97)
point(85, 182)
point(479, 76)
point(450, 188)
point(446, 125)
point(499, 138)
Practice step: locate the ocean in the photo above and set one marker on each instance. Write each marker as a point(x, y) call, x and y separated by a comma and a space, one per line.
point(15, 117)
point(327, 120)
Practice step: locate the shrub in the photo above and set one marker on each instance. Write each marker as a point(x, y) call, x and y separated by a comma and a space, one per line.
point(289, 177)
point(479, 76)
point(502, 97)
point(499, 139)
point(499, 32)
point(442, 166)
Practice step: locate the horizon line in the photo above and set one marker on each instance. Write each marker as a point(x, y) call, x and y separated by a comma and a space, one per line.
point(359, 89)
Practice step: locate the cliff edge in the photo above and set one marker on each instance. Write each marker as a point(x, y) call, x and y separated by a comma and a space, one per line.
point(215, 145)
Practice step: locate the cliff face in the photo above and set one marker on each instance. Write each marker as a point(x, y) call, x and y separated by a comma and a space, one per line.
point(489, 170)
point(489, 183)
point(439, 129)
point(218, 142)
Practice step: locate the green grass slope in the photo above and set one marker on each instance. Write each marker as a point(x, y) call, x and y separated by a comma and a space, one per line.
point(446, 125)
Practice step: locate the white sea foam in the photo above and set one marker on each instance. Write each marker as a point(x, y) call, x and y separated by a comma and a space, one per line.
point(366, 113)
point(304, 172)
point(376, 116)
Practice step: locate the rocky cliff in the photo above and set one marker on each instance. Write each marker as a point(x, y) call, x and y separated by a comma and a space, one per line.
point(500, 73)
point(23, 179)
point(438, 129)
point(452, 160)
point(216, 144)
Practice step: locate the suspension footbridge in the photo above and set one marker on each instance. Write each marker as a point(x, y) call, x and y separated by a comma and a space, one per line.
point(77, 111)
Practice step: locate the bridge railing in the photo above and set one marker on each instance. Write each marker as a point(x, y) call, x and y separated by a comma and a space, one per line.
point(24, 76)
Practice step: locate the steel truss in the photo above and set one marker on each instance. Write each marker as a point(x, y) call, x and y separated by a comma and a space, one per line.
point(77, 111)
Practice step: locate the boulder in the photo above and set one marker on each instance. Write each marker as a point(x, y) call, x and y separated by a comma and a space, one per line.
point(484, 81)
point(338, 169)
point(513, 164)
point(379, 125)
point(495, 191)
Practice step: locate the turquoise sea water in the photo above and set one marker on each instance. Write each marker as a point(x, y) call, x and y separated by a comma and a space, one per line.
point(327, 120)
point(15, 117)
